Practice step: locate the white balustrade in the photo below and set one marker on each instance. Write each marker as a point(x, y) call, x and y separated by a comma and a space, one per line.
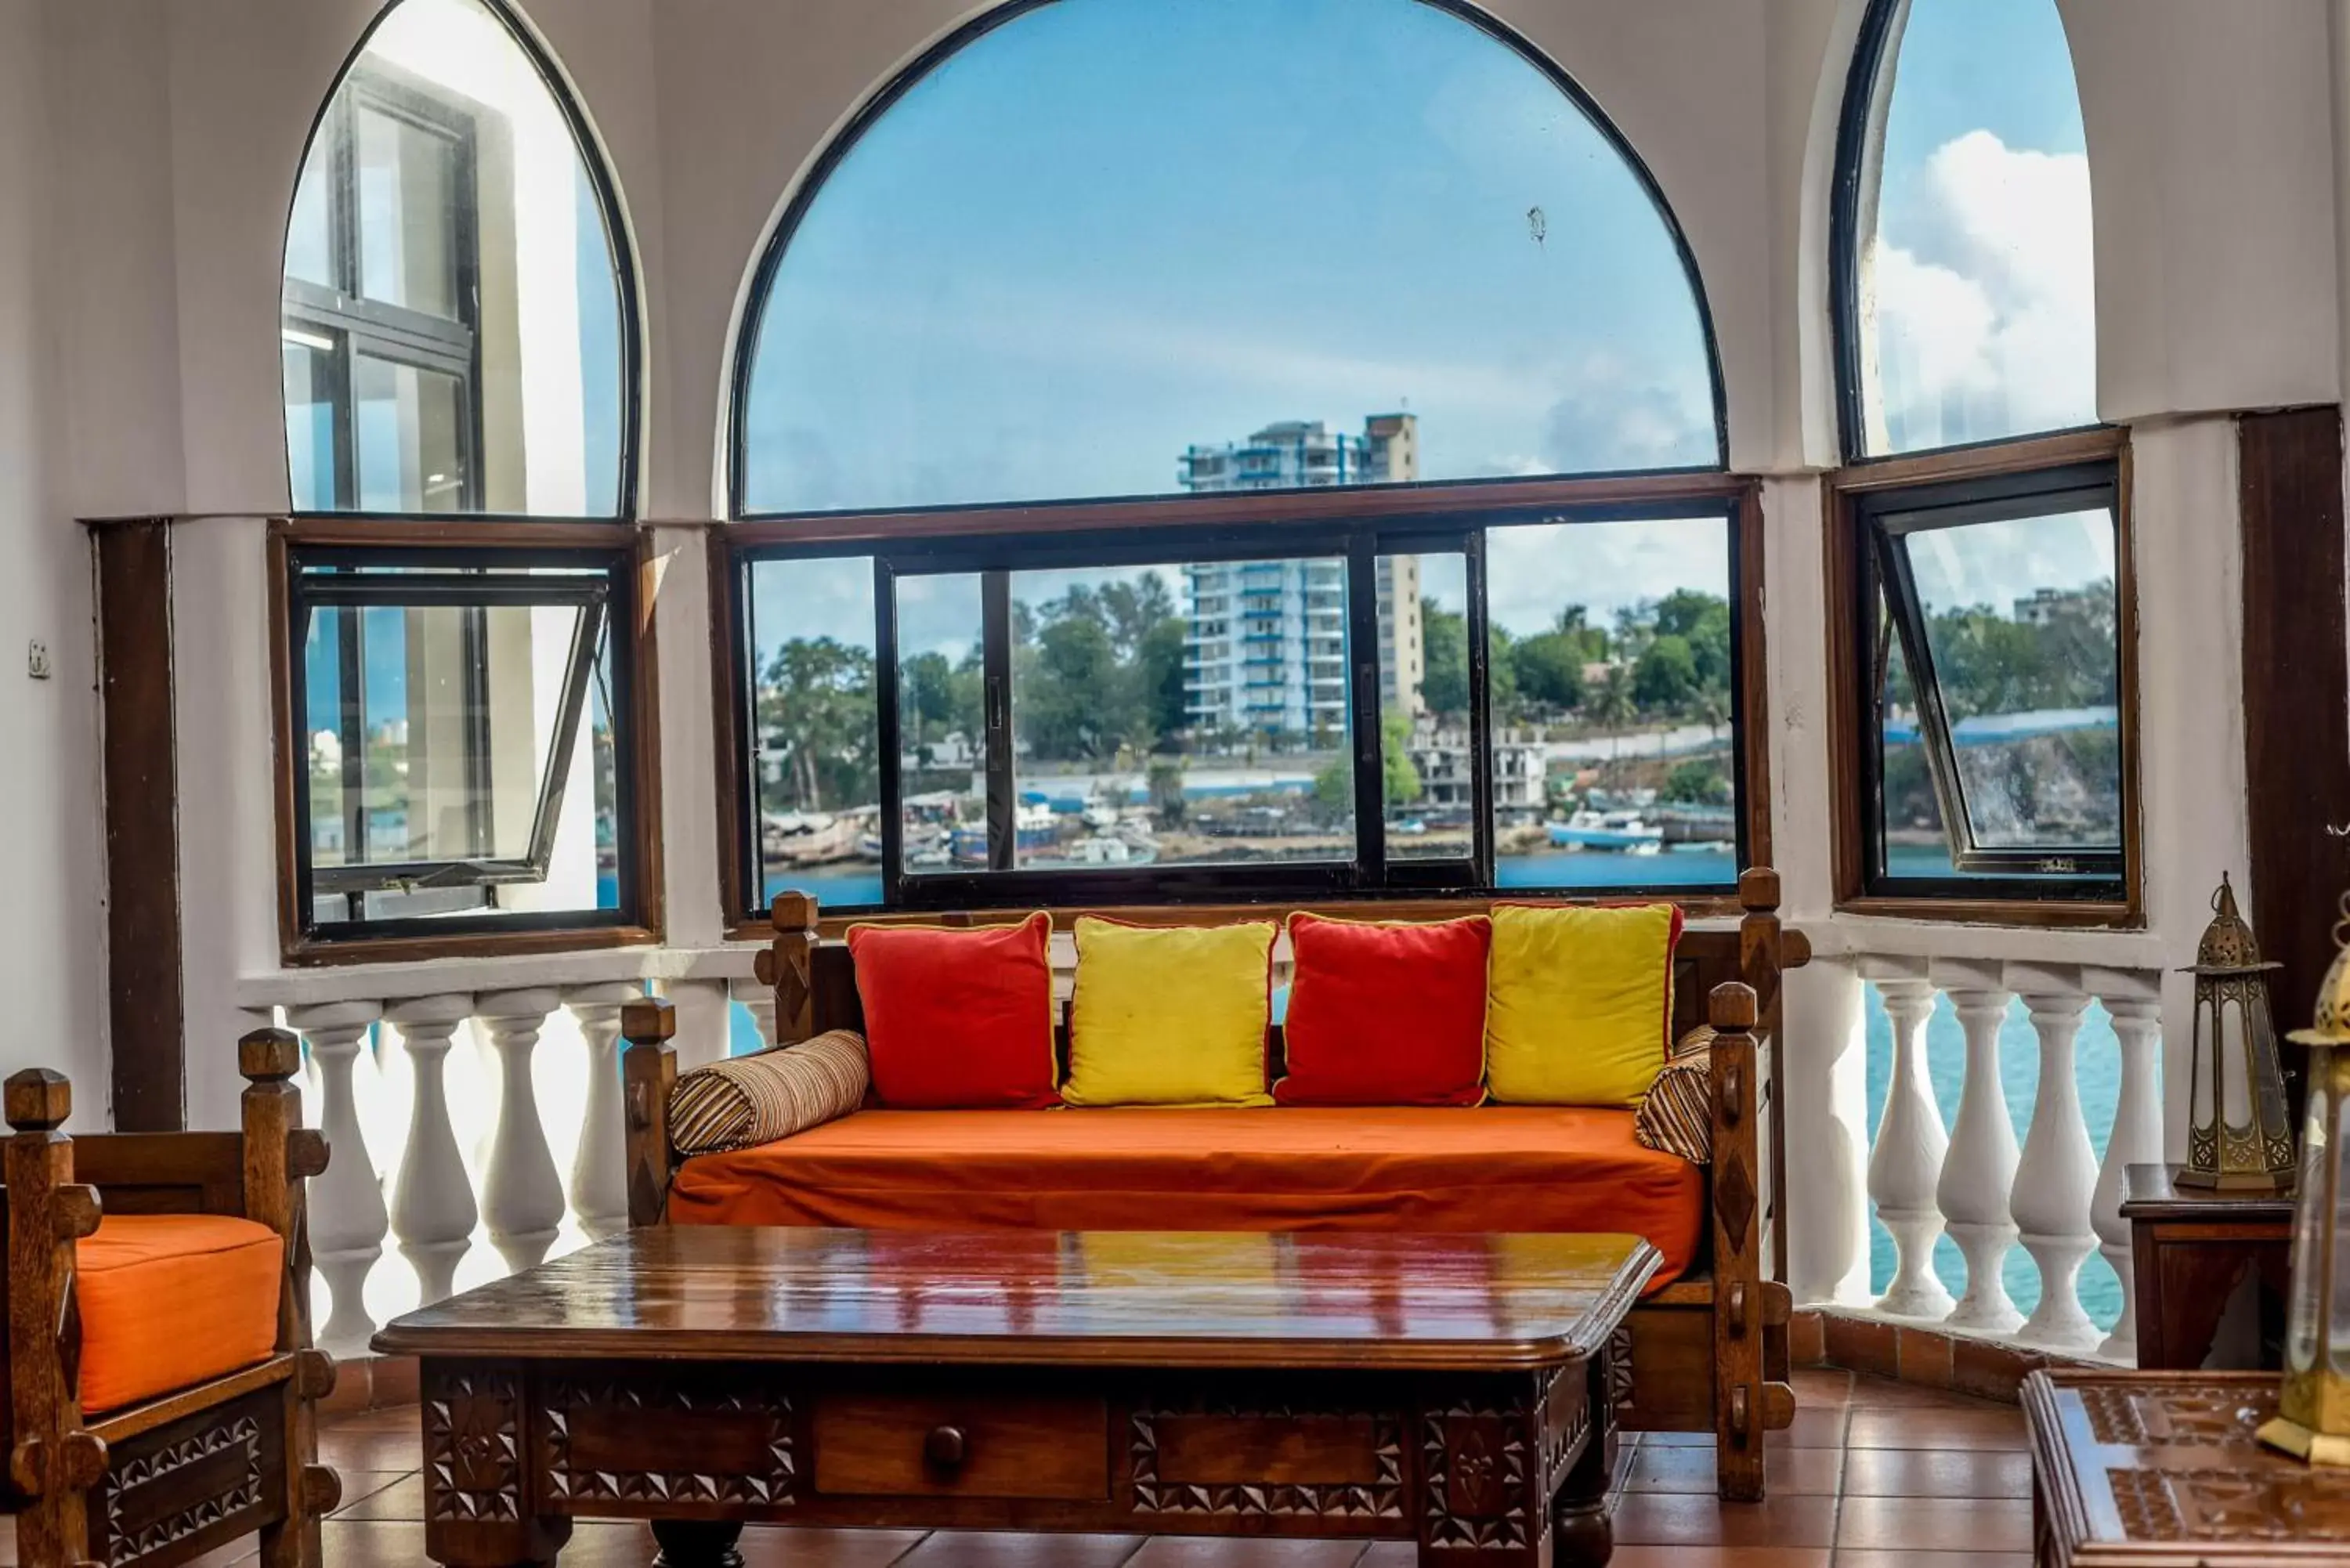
point(1906, 1161)
point(347, 1219)
point(432, 1209)
point(2054, 1179)
point(522, 1192)
point(1979, 1170)
point(599, 1171)
point(2135, 1004)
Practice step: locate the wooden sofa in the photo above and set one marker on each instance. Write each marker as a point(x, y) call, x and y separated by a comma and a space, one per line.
point(1707, 1352)
point(167, 1475)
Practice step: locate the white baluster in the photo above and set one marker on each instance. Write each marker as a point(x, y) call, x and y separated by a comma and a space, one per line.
point(522, 1192)
point(433, 1211)
point(1978, 1171)
point(599, 1171)
point(2059, 1169)
point(1906, 1161)
point(346, 1214)
point(2135, 1001)
point(760, 1000)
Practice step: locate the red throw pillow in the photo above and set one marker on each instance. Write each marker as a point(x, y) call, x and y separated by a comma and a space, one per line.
point(1385, 1014)
point(959, 1020)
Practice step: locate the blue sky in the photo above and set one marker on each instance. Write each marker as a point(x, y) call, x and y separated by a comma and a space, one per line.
point(1111, 228)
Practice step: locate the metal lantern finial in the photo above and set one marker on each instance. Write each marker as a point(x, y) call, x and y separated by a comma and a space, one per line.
point(2312, 1419)
point(2238, 1139)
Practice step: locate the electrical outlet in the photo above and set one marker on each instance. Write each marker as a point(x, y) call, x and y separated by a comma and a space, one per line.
point(36, 659)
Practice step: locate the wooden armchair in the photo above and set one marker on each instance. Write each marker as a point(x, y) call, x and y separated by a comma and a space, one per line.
point(166, 1477)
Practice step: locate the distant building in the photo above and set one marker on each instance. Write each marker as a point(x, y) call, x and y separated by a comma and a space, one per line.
point(1267, 646)
point(1445, 761)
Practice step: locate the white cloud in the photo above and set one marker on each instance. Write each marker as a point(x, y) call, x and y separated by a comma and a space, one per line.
point(1984, 297)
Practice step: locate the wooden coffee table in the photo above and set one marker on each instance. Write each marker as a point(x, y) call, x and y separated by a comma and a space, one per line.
point(1449, 1390)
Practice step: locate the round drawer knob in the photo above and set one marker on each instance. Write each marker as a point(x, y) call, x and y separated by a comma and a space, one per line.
point(945, 1447)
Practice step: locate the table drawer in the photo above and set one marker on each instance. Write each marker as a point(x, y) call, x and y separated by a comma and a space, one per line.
point(985, 1445)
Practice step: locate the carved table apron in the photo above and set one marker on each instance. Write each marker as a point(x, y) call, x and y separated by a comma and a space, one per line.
point(1485, 1447)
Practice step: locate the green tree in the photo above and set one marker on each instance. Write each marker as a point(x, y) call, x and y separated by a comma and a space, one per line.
point(1167, 802)
point(816, 711)
point(1334, 786)
point(1666, 677)
point(1700, 782)
point(1444, 658)
point(1548, 667)
point(1160, 652)
point(1702, 620)
point(1612, 703)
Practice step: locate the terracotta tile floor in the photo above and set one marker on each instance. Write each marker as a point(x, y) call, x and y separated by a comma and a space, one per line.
point(1877, 1474)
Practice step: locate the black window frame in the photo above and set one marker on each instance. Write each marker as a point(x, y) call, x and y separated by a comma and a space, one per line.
point(602, 584)
point(1233, 535)
point(1881, 520)
point(425, 341)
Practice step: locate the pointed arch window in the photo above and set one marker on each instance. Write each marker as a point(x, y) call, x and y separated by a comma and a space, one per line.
point(459, 333)
point(1129, 405)
point(459, 728)
point(1981, 550)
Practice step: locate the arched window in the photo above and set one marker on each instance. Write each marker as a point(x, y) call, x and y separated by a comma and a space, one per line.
point(1120, 247)
point(459, 331)
point(1965, 288)
point(1986, 612)
point(1332, 329)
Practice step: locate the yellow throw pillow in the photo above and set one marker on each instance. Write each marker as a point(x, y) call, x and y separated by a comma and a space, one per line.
point(1170, 1015)
point(1577, 1004)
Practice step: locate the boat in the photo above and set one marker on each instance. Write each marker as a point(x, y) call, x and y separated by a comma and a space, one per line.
point(1622, 832)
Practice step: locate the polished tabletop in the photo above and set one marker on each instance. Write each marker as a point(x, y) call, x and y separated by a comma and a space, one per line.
point(1327, 1299)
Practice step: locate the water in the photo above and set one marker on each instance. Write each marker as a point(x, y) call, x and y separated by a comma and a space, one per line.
point(2097, 1075)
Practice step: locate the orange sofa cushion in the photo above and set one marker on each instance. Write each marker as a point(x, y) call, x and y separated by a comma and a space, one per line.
point(168, 1300)
point(1419, 1168)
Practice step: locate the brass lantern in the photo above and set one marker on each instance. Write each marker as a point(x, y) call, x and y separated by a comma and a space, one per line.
point(2238, 1137)
point(2312, 1417)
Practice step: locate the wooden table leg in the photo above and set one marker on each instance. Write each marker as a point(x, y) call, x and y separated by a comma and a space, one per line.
point(479, 1503)
point(1580, 1531)
point(697, 1544)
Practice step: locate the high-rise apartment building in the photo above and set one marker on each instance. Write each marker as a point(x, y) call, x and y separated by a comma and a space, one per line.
point(1267, 646)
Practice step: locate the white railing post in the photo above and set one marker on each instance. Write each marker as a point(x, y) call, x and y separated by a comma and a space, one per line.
point(433, 1211)
point(760, 1001)
point(346, 1214)
point(2059, 1168)
point(1978, 1171)
point(522, 1192)
point(1905, 1163)
point(2135, 1003)
point(599, 1178)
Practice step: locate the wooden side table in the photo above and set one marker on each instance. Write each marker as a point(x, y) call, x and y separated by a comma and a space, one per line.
point(2189, 1249)
point(2151, 1469)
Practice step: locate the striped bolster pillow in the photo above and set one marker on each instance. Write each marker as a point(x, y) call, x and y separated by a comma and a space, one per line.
point(770, 1095)
point(1677, 1114)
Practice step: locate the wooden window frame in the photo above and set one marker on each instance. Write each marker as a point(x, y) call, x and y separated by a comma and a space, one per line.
point(1851, 714)
point(630, 554)
point(1268, 521)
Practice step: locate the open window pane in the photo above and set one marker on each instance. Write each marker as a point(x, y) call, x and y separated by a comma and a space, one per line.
point(816, 736)
point(462, 754)
point(1915, 843)
point(2019, 621)
point(1613, 701)
point(1428, 745)
point(411, 438)
point(1181, 714)
point(941, 723)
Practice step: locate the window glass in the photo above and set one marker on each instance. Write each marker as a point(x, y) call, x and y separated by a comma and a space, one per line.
point(815, 758)
point(462, 749)
point(2019, 621)
point(1612, 697)
point(449, 248)
point(1113, 247)
point(941, 723)
point(1427, 745)
point(1975, 286)
point(1915, 844)
point(1181, 713)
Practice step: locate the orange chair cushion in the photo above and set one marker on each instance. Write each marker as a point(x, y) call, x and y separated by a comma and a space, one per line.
point(168, 1300)
point(1419, 1168)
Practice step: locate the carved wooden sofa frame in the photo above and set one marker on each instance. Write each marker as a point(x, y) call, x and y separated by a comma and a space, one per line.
point(1709, 1353)
point(161, 1482)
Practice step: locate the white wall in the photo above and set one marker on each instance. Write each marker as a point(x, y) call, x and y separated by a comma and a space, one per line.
point(51, 920)
point(149, 147)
